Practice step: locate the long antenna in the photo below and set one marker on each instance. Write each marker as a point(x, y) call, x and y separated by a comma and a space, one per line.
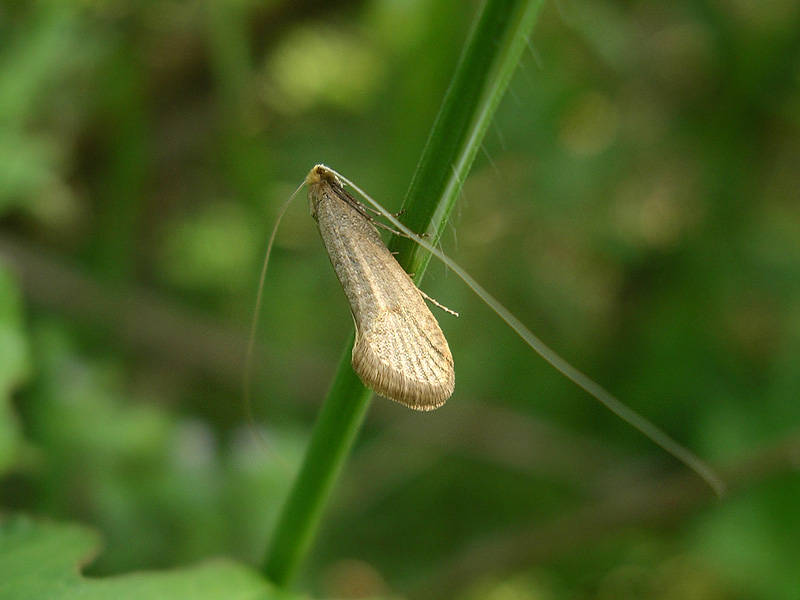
point(605, 397)
point(247, 375)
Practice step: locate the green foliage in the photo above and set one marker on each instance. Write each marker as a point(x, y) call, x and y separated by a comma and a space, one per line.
point(163, 489)
point(634, 203)
point(41, 560)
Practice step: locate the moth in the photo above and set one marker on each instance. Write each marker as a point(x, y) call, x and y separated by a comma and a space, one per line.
point(399, 351)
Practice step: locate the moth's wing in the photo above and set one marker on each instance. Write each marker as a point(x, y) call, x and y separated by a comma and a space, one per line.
point(403, 355)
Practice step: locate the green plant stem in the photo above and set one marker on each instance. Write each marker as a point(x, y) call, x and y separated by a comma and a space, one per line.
point(333, 436)
point(489, 59)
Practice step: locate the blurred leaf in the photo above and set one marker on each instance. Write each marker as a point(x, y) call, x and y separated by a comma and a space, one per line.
point(43, 560)
point(323, 65)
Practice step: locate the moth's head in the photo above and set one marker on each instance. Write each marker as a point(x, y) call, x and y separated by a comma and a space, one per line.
point(318, 180)
point(321, 175)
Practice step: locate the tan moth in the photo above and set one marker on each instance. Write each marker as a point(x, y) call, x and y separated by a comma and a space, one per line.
point(400, 351)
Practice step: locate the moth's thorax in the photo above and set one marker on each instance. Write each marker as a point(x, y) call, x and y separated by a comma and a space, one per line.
point(320, 180)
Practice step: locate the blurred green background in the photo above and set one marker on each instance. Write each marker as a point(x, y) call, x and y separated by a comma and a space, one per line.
point(636, 205)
